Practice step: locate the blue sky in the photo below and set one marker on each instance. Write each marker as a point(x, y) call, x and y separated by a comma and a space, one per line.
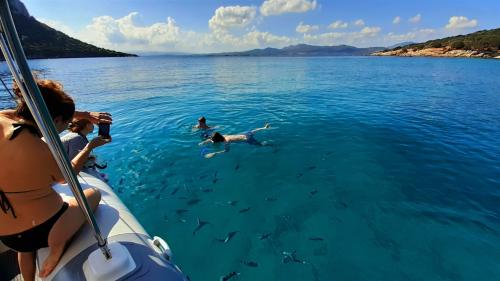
point(217, 25)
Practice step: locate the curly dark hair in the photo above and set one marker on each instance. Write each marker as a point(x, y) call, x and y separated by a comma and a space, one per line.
point(58, 102)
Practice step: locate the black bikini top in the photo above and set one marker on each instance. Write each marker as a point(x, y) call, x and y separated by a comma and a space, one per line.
point(18, 128)
point(5, 205)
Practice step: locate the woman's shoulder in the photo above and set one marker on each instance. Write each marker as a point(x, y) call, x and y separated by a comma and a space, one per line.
point(70, 136)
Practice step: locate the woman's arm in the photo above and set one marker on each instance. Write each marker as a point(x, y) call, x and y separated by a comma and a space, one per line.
point(94, 117)
point(79, 160)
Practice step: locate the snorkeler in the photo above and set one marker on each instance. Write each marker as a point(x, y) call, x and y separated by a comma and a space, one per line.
point(247, 137)
point(202, 124)
point(206, 130)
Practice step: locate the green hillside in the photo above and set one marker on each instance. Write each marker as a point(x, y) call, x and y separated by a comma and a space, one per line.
point(42, 41)
point(484, 40)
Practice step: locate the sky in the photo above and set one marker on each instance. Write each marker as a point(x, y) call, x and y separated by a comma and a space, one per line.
point(205, 26)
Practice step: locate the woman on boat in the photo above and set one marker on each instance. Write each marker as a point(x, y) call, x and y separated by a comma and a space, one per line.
point(76, 140)
point(32, 214)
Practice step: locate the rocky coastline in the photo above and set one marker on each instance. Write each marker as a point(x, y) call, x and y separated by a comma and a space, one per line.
point(438, 52)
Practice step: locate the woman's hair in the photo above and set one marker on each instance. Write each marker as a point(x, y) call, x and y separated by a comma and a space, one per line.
point(202, 119)
point(57, 101)
point(76, 126)
point(217, 137)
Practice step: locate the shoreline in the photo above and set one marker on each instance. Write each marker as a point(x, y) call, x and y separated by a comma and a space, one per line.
point(438, 52)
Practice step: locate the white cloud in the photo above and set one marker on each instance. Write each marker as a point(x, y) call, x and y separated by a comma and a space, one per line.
point(359, 22)
point(415, 19)
point(105, 31)
point(396, 20)
point(420, 35)
point(370, 31)
point(305, 28)
point(365, 37)
point(338, 24)
point(460, 22)
point(232, 17)
point(278, 7)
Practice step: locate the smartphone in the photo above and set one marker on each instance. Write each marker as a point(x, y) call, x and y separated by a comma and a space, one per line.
point(104, 130)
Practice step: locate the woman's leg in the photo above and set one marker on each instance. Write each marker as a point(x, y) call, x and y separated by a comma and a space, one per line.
point(27, 265)
point(64, 229)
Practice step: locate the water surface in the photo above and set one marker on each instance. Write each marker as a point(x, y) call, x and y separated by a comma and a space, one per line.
point(391, 165)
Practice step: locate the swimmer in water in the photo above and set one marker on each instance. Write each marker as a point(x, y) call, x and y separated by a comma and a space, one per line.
point(202, 124)
point(248, 137)
point(203, 127)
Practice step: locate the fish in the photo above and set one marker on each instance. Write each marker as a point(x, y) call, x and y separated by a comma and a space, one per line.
point(250, 263)
point(199, 225)
point(300, 175)
point(315, 238)
point(232, 203)
point(202, 177)
point(214, 181)
point(215, 174)
point(206, 190)
point(175, 191)
point(271, 199)
point(181, 211)
point(265, 236)
point(229, 276)
point(310, 168)
point(193, 201)
point(237, 167)
point(244, 210)
point(121, 181)
point(228, 237)
point(313, 192)
point(165, 218)
point(182, 220)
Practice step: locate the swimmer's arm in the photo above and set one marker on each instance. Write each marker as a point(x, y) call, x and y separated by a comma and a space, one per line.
point(266, 126)
point(205, 142)
point(212, 154)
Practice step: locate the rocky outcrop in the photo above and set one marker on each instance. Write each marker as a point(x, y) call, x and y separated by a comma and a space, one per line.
point(438, 52)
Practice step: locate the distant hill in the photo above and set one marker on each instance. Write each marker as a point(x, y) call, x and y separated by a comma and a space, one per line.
point(304, 50)
point(483, 44)
point(401, 44)
point(41, 41)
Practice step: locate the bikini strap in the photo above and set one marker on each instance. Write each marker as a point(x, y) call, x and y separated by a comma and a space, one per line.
point(5, 204)
point(18, 127)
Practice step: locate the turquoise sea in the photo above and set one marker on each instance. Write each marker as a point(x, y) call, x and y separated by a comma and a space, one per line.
point(380, 169)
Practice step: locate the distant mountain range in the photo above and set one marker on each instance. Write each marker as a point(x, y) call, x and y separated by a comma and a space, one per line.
point(41, 41)
point(401, 44)
point(304, 50)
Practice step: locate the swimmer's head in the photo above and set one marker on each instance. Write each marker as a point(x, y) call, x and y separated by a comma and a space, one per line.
point(202, 120)
point(217, 137)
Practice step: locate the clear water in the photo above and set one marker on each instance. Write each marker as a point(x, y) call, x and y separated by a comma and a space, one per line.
point(394, 162)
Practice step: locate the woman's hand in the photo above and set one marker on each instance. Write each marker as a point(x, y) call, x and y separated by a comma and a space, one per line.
point(98, 141)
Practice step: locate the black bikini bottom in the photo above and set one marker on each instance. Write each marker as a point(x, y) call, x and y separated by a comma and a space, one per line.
point(34, 238)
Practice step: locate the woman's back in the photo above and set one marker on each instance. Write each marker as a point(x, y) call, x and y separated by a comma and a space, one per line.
point(26, 177)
